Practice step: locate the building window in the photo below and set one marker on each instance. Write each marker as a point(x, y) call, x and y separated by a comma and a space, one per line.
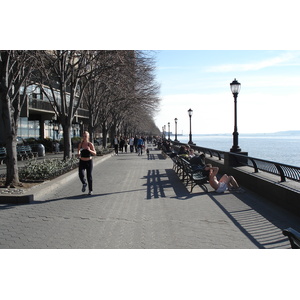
point(28, 129)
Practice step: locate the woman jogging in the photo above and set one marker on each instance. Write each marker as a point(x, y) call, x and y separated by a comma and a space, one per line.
point(85, 151)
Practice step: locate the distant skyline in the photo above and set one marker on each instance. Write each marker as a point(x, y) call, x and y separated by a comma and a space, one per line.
point(269, 99)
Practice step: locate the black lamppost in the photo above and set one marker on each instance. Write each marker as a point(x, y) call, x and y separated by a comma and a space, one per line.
point(190, 115)
point(175, 130)
point(168, 130)
point(235, 87)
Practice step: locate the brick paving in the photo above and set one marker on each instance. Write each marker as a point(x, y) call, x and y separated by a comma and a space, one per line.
point(140, 203)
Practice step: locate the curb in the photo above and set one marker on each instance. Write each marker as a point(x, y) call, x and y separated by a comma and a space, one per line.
point(12, 199)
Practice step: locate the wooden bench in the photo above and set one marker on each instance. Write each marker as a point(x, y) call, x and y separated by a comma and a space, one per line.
point(29, 151)
point(21, 153)
point(177, 165)
point(2, 154)
point(294, 237)
point(188, 175)
point(193, 177)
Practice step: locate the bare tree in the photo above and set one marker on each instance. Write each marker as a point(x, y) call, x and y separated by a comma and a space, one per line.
point(65, 75)
point(15, 68)
point(124, 86)
point(143, 97)
point(138, 91)
point(99, 89)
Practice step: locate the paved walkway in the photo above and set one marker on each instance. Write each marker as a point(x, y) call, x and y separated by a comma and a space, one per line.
point(141, 204)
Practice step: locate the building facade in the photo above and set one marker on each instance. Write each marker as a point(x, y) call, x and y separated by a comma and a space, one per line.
point(38, 119)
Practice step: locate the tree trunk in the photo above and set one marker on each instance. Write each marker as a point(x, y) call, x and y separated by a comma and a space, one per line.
point(67, 141)
point(104, 135)
point(91, 131)
point(12, 174)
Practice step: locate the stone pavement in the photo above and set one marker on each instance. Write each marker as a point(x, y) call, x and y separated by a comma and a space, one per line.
point(141, 204)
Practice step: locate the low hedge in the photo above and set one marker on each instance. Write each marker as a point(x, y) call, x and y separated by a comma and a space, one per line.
point(47, 169)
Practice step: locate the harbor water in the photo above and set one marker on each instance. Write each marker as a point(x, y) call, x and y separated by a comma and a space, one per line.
point(282, 148)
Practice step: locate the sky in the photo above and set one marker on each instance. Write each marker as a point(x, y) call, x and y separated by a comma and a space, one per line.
point(201, 47)
point(269, 99)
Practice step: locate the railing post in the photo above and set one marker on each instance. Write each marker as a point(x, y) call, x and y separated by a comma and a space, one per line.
point(232, 160)
point(282, 176)
point(254, 165)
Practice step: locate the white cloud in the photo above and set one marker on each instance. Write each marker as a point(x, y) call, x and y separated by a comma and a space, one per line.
point(275, 61)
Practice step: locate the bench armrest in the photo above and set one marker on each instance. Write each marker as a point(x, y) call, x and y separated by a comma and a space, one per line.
point(294, 237)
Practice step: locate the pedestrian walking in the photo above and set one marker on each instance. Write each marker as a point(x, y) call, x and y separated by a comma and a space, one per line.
point(116, 144)
point(85, 151)
point(135, 143)
point(122, 142)
point(131, 144)
point(140, 145)
point(125, 144)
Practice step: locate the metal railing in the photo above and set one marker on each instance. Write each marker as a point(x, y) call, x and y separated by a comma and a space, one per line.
point(40, 104)
point(282, 170)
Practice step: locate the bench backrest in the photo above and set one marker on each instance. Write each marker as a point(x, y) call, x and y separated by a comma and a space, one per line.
point(2, 150)
point(28, 148)
point(21, 149)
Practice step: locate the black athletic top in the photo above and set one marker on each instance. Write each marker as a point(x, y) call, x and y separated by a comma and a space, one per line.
point(85, 153)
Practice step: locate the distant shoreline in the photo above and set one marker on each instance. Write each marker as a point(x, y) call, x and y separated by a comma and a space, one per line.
point(279, 133)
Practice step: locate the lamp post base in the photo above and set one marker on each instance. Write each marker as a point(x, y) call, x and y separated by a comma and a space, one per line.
point(235, 149)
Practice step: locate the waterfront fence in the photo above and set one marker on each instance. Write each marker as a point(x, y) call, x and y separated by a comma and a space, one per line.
point(282, 170)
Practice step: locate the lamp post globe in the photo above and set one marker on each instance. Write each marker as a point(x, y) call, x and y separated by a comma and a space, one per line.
point(235, 87)
point(190, 112)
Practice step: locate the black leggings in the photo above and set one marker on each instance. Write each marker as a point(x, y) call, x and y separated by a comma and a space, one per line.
point(88, 166)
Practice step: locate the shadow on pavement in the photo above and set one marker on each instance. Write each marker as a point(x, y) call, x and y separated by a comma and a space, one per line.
point(82, 197)
point(259, 220)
